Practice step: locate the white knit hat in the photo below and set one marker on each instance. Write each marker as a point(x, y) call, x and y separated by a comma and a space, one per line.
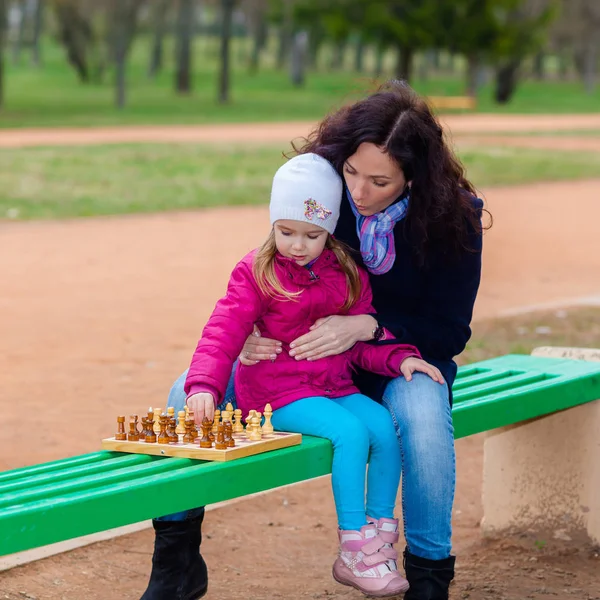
point(307, 188)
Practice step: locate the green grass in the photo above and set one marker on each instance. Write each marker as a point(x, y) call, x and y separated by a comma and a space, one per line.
point(579, 327)
point(52, 95)
point(59, 182)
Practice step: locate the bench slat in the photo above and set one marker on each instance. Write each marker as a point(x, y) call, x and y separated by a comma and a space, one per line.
point(56, 465)
point(55, 477)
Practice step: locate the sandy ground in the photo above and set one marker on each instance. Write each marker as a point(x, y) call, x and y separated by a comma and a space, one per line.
point(98, 317)
point(276, 132)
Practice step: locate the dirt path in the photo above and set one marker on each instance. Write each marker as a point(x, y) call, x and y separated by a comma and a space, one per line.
point(274, 132)
point(98, 316)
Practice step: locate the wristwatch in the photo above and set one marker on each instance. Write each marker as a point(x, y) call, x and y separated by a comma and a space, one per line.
point(378, 333)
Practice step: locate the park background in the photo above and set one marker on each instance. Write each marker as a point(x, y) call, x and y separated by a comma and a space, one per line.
point(138, 140)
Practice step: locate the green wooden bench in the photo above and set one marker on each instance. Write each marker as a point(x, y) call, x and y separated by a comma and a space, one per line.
point(94, 492)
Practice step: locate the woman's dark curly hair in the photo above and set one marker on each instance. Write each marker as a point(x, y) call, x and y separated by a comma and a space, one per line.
point(441, 212)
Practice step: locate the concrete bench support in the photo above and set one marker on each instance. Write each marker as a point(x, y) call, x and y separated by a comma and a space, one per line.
point(544, 474)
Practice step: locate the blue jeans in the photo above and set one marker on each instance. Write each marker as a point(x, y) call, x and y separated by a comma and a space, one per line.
point(422, 417)
point(361, 432)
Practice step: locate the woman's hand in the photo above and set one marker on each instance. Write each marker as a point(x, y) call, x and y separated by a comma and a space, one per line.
point(333, 335)
point(411, 364)
point(203, 405)
point(258, 348)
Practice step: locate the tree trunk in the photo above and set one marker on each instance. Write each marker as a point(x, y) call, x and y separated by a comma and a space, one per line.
point(590, 65)
point(124, 23)
point(20, 37)
point(539, 71)
point(472, 74)
point(227, 17)
point(160, 28)
point(379, 56)
point(563, 64)
point(3, 27)
point(75, 34)
point(185, 32)
point(404, 64)
point(506, 81)
point(298, 58)
point(359, 56)
point(38, 26)
point(339, 52)
point(315, 42)
point(285, 33)
point(259, 39)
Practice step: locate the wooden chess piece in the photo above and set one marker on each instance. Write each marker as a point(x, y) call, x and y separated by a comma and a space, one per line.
point(193, 430)
point(133, 435)
point(267, 427)
point(120, 435)
point(249, 423)
point(156, 419)
point(170, 411)
point(163, 436)
point(149, 422)
point(135, 420)
point(181, 422)
point(205, 441)
point(255, 432)
point(150, 435)
point(189, 437)
point(238, 426)
point(171, 430)
point(220, 439)
point(216, 421)
point(229, 435)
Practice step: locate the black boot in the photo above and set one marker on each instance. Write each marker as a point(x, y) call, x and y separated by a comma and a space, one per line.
point(178, 569)
point(428, 579)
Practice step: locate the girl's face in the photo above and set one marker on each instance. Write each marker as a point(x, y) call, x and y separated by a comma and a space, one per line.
point(375, 181)
point(300, 241)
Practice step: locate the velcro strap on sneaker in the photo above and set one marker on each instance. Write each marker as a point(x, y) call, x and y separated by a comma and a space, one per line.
point(389, 537)
point(372, 560)
point(373, 546)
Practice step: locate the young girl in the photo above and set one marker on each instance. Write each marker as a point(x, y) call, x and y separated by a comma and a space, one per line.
point(299, 275)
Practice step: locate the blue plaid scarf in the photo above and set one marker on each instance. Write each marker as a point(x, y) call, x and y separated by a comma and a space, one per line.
point(376, 234)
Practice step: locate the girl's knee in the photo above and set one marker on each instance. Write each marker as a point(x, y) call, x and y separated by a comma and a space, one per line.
point(352, 432)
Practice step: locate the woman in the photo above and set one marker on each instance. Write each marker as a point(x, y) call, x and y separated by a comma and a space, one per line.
point(414, 221)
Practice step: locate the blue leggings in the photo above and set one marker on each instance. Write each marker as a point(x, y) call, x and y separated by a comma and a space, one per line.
point(361, 432)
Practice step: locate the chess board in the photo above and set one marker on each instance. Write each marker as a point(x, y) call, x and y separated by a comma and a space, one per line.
point(243, 447)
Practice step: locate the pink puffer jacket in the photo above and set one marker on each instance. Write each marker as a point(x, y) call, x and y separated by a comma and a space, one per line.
point(286, 379)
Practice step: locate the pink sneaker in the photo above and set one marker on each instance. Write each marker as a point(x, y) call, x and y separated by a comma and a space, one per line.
point(363, 564)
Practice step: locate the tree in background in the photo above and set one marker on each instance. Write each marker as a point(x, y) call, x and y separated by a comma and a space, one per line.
point(123, 21)
point(3, 30)
point(38, 26)
point(469, 27)
point(186, 15)
point(76, 35)
point(523, 26)
point(256, 14)
point(226, 24)
point(575, 37)
point(160, 24)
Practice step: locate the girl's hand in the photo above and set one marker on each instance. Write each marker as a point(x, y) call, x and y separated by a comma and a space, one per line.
point(203, 405)
point(258, 348)
point(411, 364)
point(333, 335)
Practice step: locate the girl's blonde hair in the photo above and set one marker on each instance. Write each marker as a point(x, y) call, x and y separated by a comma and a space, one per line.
point(266, 278)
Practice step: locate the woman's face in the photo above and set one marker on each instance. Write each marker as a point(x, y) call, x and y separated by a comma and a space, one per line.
point(375, 181)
